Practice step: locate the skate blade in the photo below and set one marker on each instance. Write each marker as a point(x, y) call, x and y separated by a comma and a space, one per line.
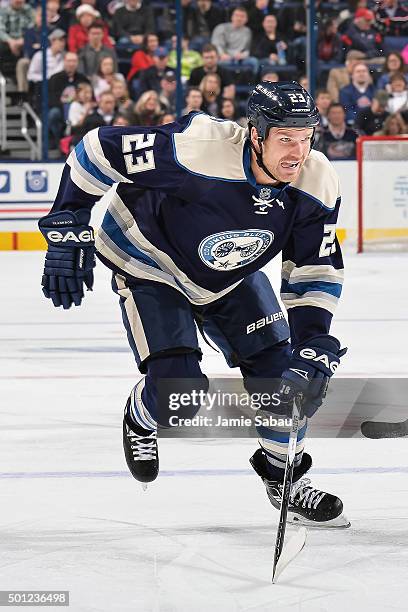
point(340, 522)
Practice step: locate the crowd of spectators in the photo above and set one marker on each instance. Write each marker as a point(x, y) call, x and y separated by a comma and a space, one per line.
point(113, 62)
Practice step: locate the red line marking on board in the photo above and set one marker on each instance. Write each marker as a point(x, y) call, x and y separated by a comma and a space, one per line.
point(22, 210)
point(14, 241)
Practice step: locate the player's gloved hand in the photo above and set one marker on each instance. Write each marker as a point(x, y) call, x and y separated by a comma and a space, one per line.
point(70, 257)
point(312, 365)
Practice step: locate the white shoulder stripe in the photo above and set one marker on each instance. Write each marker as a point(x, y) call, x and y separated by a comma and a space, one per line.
point(212, 148)
point(319, 179)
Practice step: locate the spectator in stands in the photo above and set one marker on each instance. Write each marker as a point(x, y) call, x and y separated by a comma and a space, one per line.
point(362, 36)
point(200, 21)
point(55, 63)
point(143, 57)
point(122, 98)
point(229, 111)
point(32, 43)
point(56, 19)
point(257, 11)
point(323, 101)
point(147, 109)
point(61, 92)
point(102, 115)
point(78, 34)
point(370, 120)
point(268, 45)
point(393, 64)
point(194, 100)
point(273, 77)
point(131, 21)
point(338, 141)
point(190, 59)
point(329, 44)
point(151, 77)
point(121, 120)
point(210, 88)
point(304, 82)
point(359, 93)
point(167, 93)
point(32, 36)
point(398, 100)
point(90, 56)
point(391, 18)
point(103, 79)
point(15, 19)
point(292, 20)
point(166, 118)
point(233, 40)
point(340, 77)
point(211, 66)
point(83, 105)
point(394, 125)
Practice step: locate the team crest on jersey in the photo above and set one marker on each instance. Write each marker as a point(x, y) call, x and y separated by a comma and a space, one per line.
point(227, 251)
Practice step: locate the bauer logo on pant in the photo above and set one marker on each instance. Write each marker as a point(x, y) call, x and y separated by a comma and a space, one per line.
point(227, 251)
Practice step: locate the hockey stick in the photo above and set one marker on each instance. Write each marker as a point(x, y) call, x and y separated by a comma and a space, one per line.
point(371, 429)
point(284, 555)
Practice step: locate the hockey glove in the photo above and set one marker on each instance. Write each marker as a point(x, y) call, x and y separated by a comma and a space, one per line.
point(70, 257)
point(312, 365)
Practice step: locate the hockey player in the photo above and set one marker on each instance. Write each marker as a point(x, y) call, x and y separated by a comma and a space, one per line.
point(200, 206)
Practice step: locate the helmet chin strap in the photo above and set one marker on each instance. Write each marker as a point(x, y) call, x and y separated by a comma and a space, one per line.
point(259, 160)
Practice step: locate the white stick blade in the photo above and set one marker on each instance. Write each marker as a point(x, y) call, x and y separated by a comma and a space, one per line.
point(290, 551)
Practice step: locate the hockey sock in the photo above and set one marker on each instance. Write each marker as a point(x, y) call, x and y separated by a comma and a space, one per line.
point(136, 409)
point(274, 441)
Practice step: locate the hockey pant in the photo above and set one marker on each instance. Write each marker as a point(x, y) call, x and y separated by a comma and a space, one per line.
point(247, 325)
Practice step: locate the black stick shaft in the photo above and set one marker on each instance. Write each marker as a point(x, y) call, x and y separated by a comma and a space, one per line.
point(287, 483)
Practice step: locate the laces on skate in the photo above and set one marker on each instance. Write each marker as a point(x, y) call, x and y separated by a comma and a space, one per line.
point(306, 495)
point(143, 447)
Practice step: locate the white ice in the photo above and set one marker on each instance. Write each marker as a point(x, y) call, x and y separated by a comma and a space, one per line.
point(201, 538)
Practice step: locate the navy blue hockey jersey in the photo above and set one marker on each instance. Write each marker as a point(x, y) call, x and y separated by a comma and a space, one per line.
point(188, 212)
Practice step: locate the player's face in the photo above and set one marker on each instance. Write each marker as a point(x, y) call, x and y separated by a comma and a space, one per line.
point(285, 151)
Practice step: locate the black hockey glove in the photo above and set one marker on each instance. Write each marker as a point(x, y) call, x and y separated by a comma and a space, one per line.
point(312, 365)
point(70, 257)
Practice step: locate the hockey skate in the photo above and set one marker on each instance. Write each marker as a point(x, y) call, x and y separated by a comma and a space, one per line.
point(307, 506)
point(141, 451)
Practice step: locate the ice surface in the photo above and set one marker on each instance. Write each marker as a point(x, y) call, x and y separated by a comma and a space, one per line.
point(202, 536)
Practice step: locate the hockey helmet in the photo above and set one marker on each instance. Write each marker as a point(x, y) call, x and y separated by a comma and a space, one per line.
point(284, 104)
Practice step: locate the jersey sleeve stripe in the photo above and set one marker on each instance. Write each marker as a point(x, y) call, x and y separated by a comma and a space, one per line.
point(115, 233)
point(89, 166)
point(311, 298)
point(83, 179)
point(306, 287)
point(95, 153)
point(325, 273)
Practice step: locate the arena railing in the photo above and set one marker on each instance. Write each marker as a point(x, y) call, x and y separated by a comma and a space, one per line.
point(3, 115)
point(35, 147)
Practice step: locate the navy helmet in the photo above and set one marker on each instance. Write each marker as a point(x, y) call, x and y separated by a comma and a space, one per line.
point(284, 104)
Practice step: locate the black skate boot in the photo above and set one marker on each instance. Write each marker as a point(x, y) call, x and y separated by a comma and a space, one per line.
point(307, 506)
point(141, 451)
